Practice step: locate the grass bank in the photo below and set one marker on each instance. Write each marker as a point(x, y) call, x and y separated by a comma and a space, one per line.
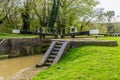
point(7, 35)
point(86, 63)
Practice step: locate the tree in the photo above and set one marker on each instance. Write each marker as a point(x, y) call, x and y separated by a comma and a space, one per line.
point(41, 11)
point(3, 10)
point(25, 14)
point(46, 12)
point(53, 14)
point(73, 11)
point(107, 17)
point(85, 20)
point(9, 14)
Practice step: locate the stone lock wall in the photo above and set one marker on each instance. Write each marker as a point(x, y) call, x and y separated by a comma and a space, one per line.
point(109, 43)
point(24, 46)
point(21, 46)
point(29, 46)
point(4, 47)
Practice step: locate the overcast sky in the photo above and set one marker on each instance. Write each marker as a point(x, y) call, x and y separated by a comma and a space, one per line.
point(110, 5)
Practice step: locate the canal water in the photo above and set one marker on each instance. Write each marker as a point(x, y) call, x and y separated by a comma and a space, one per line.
point(9, 67)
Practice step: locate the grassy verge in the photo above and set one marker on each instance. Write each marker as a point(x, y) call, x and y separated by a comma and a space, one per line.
point(3, 56)
point(86, 63)
point(6, 35)
point(111, 38)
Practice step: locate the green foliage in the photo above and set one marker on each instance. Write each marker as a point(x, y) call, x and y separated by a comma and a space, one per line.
point(109, 16)
point(100, 26)
point(45, 13)
point(73, 11)
point(7, 35)
point(25, 15)
point(34, 25)
point(86, 63)
point(53, 14)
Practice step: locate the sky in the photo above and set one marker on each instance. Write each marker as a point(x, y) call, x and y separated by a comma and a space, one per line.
point(110, 5)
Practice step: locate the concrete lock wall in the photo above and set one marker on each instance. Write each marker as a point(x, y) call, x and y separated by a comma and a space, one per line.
point(4, 47)
point(29, 46)
point(75, 44)
point(21, 47)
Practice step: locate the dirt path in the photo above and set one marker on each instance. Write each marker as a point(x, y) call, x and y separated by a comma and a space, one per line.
point(27, 74)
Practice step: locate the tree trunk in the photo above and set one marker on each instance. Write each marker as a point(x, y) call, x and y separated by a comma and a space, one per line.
point(26, 20)
point(53, 15)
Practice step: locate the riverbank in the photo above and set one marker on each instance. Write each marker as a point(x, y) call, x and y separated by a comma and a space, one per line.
point(86, 63)
point(27, 73)
point(4, 57)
